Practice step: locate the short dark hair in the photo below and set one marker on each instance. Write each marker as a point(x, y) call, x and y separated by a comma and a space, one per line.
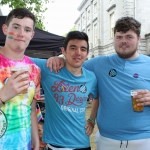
point(125, 24)
point(76, 35)
point(20, 13)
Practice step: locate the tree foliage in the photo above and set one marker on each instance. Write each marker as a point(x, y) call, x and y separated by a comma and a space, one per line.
point(72, 29)
point(38, 7)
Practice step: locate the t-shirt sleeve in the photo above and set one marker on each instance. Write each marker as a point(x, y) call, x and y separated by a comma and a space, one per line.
point(41, 63)
point(89, 64)
point(94, 91)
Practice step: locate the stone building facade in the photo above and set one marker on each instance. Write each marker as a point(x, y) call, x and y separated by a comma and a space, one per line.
point(97, 18)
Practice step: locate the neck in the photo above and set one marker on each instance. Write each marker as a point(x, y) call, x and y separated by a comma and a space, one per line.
point(14, 55)
point(75, 71)
point(136, 54)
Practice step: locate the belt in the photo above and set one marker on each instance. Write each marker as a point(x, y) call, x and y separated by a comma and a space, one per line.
point(88, 148)
point(56, 146)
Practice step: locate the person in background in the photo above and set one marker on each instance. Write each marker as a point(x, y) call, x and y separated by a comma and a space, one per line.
point(117, 74)
point(66, 93)
point(18, 119)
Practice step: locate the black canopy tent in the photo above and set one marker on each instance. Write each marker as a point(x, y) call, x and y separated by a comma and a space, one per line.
point(43, 44)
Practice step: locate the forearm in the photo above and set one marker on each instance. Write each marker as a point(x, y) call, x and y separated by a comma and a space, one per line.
point(34, 127)
point(4, 95)
point(94, 108)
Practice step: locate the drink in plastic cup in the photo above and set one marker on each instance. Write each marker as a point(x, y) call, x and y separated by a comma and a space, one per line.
point(26, 68)
point(134, 103)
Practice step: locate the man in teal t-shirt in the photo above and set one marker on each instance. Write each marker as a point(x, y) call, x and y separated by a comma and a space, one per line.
point(66, 95)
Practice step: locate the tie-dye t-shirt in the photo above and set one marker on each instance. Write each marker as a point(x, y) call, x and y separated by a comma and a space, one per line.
point(18, 109)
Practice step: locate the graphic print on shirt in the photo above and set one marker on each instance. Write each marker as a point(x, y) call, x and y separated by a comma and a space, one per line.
point(70, 97)
point(112, 73)
point(136, 75)
point(3, 123)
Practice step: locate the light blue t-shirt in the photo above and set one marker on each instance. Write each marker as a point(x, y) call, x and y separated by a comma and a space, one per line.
point(65, 99)
point(116, 77)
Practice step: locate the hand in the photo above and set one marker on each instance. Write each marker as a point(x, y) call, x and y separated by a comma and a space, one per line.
point(13, 86)
point(89, 128)
point(143, 98)
point(55, 63)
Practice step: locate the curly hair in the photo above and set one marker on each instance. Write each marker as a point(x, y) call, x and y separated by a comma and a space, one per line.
point(20, 13)
point(125, 24)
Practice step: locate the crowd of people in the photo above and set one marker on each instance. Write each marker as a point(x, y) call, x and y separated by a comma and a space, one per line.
point(68, 84)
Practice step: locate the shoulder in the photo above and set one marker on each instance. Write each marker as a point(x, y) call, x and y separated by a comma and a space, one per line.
point(33, 66)
point(144, 58)
point(37, 60)
point(101, 58)
point(88, 72)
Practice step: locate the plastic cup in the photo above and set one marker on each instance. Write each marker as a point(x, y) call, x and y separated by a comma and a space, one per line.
point(134, 103)
point(26, 69)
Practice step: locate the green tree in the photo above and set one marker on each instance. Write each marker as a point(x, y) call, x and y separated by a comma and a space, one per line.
point(38, 7)
point(72, 29)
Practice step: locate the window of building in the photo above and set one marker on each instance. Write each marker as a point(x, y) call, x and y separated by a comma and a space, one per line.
point(95, 34)
point(112, 24)
point(83, 20)
point(78, 26)
point(89, 15)
point(88, 33)
point(95, 7)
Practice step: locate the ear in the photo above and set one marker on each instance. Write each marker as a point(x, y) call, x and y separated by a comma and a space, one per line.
point(87, 55)
point(63, 51)
point(4, 29)
point(32, 34)
point(139, 38)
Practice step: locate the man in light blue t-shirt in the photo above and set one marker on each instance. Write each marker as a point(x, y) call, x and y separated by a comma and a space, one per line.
point(117, 74)
point(66, 95)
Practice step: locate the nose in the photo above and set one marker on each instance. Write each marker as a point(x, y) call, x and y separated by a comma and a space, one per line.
point(124, 40)
point(78, 51)
point(21, 33)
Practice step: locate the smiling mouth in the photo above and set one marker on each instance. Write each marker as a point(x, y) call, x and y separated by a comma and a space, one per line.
point(19, 40)
point(77, 59)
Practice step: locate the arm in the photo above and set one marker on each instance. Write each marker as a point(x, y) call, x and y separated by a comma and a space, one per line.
point(89, 126)
point(34, 127)
point(13, 86)
point(55, 63)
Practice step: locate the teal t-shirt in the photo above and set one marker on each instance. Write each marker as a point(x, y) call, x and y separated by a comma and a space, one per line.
point(65, 98)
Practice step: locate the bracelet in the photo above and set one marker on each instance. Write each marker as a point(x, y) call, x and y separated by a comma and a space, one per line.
point(2, 101)
point(90, 120)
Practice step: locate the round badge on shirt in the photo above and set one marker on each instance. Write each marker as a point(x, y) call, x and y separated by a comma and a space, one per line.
point(3, 123)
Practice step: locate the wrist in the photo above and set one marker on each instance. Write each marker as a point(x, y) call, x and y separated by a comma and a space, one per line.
point(2, 101)
point(91, 121)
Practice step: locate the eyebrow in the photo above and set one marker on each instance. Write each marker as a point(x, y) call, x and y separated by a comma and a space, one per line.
point(76, 46)
point(20, 25)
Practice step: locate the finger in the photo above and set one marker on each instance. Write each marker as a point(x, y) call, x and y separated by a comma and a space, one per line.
point(89, 132)
point(22, 86)
point(86, 127)
point(49, 64)
point(58, 65)
point(21, 77)
point(55, 68)
point(61, 66)
point(18, 73)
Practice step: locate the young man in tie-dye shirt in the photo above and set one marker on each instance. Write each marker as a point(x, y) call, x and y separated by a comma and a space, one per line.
point(18, 119)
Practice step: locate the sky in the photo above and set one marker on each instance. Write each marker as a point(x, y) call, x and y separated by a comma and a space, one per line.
point(60, 16)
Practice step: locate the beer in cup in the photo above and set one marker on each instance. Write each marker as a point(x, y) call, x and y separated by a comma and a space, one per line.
point(26, 68)
point(134, 103)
